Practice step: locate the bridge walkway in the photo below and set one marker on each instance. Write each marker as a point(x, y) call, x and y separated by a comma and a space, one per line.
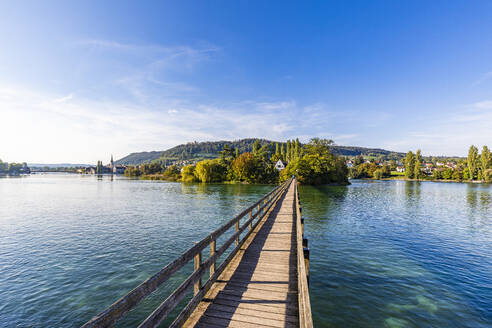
point(259, 287)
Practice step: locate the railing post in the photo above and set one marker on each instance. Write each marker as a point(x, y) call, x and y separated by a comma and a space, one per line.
point(306, 262)
point(251, 221)
point(237, 229)
point(198, 261)
point(302, 226)
point(259, 212)
point(212, 253)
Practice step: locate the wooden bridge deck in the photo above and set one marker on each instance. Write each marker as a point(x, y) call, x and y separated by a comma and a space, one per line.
point(259, 287)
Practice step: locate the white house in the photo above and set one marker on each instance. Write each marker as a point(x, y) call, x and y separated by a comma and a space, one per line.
point(400, 169)
point(280, 165)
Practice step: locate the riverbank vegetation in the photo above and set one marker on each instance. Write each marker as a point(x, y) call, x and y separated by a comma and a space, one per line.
point(312, 163)
point(476, 167)
point(13, 168)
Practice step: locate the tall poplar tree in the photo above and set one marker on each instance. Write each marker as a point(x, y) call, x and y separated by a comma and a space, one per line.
point(472, 161)
point(417, 173)
point(256, 146)
point(410, 165)
point(298, 148)
point(277, 149)
point(485, 161)
point(288, 151)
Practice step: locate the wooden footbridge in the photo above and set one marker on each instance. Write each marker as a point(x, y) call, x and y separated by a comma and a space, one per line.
point(262, 282)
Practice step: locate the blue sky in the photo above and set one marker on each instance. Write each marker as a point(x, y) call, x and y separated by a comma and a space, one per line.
point(79, 81)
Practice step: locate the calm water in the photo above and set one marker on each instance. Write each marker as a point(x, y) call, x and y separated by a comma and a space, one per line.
point(384, 254)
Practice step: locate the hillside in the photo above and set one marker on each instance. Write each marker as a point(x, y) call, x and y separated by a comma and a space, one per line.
point(211, 149)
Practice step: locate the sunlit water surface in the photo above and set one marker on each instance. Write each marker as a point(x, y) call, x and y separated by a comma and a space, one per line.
point(400, 254)
point(383, 254)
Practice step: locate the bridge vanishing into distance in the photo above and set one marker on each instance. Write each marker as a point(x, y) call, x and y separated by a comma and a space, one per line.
point(262, 282)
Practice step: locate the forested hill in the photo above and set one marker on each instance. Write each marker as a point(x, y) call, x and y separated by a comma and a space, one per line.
point(211, 149)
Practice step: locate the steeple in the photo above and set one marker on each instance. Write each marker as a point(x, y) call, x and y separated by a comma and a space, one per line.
point(112, 164)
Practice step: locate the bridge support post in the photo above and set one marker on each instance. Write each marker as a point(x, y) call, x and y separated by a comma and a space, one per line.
point(237, 230)
point(212, 253)
point(251, 221)
point(306, 261)
point(302, 226)
point(197, 262)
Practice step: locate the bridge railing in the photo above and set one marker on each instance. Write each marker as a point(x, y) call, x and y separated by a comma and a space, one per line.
point(305, 316)
point(117, 310)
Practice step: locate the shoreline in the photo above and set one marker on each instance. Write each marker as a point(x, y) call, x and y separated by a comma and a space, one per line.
point(429, 180)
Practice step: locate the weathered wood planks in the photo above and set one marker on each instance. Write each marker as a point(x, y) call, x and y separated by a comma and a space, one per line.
point(259, 287)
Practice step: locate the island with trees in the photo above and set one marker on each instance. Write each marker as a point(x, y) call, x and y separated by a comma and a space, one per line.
point(313, 163)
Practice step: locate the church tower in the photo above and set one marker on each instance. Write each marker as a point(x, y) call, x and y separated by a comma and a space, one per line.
point(112, 163)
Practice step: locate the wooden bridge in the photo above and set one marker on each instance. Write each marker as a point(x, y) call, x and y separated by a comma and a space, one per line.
point(263, 281)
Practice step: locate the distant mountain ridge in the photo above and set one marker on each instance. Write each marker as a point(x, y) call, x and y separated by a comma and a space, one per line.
point(210, 149)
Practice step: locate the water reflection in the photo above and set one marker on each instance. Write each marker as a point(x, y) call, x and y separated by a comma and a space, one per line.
point(318, 200)
point(412, 191)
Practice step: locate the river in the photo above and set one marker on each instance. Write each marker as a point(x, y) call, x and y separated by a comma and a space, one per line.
point(383, 254)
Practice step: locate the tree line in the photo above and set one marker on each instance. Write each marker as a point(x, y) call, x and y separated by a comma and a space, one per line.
point(312, 163)
point(14, 168)
point(476, 167)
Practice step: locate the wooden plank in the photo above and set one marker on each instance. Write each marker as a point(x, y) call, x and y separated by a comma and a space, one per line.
point(215, 312)
point(254, 313)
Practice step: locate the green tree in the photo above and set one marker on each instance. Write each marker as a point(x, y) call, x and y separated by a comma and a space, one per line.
point(472, 162)
point(256, 146)
point(254, 169)
point(227, 152)
point(378, 174)
point(410, 165)
point(211, 170)
point(447, 174)
point(437, 174)
point(277, 149)
point(358, 160)
point(282, 151)
point(188, 174)
point(288, 154)
point(418, 156)
point(318, 146)
point(316, 169)
point(417, 173)
point(386, 171)
point(457, 175)
point(297, 149)
point(485, 161)
point(4, 167)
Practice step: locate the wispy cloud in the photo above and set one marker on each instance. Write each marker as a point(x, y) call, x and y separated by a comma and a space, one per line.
point(50, 127)
point(146, 72)
point(484, 78)
point(452, 134)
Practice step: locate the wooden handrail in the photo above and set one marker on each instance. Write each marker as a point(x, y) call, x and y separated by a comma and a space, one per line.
point(305, 316)
point(117, 310)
